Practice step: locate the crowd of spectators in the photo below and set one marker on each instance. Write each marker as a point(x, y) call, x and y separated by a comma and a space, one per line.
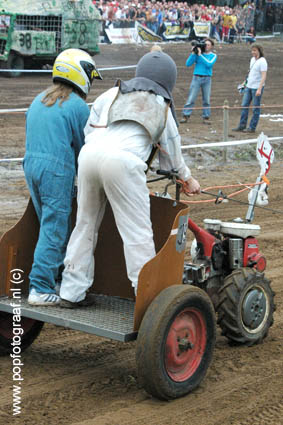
point(227, 24)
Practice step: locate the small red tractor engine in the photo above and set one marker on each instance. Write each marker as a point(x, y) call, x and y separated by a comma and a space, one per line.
point(227, 264)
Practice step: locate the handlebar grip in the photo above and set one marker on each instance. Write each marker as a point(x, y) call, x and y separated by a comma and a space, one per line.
point(163, 172)
point(167, 173)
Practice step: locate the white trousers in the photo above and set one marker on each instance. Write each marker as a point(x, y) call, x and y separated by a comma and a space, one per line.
point(118, 176)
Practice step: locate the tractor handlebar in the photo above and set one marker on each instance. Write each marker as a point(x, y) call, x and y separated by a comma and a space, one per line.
point(171, 175)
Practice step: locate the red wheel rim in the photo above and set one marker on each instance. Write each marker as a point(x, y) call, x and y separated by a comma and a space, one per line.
point(185, 344)
point(6, 325)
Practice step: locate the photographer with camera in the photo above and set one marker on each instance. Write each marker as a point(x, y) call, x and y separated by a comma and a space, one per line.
point(203, 58)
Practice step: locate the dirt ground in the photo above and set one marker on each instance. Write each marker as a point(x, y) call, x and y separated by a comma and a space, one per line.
point(72, 378)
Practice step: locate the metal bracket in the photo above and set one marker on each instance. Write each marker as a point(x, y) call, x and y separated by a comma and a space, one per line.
point(194, 273)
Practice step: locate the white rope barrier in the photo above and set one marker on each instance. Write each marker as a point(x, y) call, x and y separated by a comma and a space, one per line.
point(11, 160)
point(184, 147)
point(226, 144)
point(51, 70)
point(5, 111)
point(27, 70)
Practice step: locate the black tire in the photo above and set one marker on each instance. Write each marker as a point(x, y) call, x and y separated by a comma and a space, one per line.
point(246, 306)
point(15, 61)
point(31, 329)
point(168, 367)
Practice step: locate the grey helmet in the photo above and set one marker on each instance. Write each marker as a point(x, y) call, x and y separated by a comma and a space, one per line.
point(160, 68)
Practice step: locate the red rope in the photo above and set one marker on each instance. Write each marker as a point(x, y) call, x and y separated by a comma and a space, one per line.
point(222, 187)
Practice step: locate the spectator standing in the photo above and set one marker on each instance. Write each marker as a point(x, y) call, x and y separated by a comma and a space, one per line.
point(213, 33)
point(148, 13)
point(253, 90)
point(154, 20)
point(226, 25)
point(132, 13)
point(141, 15)
point(111, 15)
point(105, 24)
point(250, 36)
point(118, 14)
point(240, 30)
point(233, 28)
point(162, 30)
point(218, 25)
point(159, 18)
point(201, 80)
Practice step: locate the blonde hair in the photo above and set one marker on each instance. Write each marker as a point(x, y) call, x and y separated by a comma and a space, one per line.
point(57, 91)
point(156, 48)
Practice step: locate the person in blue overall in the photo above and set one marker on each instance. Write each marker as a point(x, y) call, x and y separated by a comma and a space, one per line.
point(201, 80)
point(55, 124)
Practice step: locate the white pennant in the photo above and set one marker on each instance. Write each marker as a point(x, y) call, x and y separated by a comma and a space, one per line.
point(264, 153)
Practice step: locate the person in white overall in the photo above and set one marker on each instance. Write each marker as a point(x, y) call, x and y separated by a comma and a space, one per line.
point(124, 124)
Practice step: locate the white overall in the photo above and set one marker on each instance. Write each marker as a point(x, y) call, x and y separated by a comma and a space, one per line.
point(112, 166)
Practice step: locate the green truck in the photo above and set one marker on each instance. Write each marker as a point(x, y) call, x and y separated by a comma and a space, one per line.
point(33, 32)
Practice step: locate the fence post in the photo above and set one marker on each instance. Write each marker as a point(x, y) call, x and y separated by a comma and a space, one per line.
point(225, 127)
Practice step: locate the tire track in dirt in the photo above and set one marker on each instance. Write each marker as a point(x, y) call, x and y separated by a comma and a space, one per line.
point(85, 384)
point(233, 399)
point(270, 413)
point(79, 373)
point(63, 390)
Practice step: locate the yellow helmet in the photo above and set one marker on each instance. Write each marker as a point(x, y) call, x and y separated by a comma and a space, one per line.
point(77, 68)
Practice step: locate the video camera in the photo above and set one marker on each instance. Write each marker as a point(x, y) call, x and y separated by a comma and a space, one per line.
point(196, 44)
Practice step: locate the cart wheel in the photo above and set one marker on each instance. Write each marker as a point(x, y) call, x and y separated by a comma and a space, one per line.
point(31, 329)
point(246, 306)
point(176, 341)
point(15, 61)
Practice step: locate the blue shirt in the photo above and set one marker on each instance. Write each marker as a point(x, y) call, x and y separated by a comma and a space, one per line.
point(159, 18)
point(56, 133)
point(203, 63)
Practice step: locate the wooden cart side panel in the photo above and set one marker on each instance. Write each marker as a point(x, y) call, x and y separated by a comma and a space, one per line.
point(164, 270)
point(110, 277)
point(16, 252)
point(110, 267)
point(17, 248)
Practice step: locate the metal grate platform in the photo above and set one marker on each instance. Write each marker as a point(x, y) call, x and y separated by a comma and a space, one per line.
point(109, 317)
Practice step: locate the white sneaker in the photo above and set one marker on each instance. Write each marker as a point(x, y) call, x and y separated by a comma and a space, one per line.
point(38, 298)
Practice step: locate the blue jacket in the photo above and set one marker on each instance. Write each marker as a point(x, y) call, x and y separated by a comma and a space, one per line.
point(203, 63)
point(56, 133)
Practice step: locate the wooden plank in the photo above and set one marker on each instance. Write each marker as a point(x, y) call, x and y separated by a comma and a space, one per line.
point(164, 270)
point(11, 265)
point(110, 267)
point(16, 250)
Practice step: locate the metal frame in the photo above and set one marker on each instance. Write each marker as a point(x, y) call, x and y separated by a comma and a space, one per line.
point(109, 317)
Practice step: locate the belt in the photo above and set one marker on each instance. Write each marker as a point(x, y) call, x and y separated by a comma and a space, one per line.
point(196, 75)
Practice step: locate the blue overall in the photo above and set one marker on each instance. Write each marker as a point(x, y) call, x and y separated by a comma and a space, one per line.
point(54, 137)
